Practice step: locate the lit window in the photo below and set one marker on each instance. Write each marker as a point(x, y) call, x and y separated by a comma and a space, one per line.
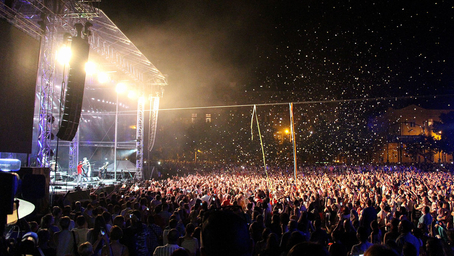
point(194, 117)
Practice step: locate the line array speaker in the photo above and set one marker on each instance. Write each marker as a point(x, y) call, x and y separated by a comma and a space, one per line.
point(74, 90)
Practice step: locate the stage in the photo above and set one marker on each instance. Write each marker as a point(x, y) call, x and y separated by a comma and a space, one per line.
point(61, 183)
point(63, 187)
point(69, 191)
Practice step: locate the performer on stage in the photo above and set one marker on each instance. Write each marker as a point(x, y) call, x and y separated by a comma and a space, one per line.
point(80, 171)
point(103, 171)
point(87, 168)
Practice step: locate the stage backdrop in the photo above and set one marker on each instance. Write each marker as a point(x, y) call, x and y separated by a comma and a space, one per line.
point(19, 57)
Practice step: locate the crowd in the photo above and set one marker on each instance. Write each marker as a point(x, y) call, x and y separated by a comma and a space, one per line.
point(330, 210)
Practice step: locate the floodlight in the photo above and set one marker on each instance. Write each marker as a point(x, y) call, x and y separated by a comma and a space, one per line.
point(132, 94)
point(64, 55)
point(90, 68)
point(103, 77)
point(121, 88)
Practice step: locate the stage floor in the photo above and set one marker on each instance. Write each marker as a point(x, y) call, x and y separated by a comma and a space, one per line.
point(70, 186)
point(62, 182)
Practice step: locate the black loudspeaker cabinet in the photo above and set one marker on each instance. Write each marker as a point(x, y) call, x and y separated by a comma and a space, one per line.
point(74, 90)
point(34, 186)
point(8, 187)
point(34, 182)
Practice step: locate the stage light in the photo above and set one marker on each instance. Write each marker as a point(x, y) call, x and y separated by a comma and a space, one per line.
point(90, 68)
point(132, 94)
point(142, 99)
point(64, 55)
point(121, 88)
point(103, 77)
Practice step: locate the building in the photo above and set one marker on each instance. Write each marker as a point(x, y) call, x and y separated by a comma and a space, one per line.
point(407, 136)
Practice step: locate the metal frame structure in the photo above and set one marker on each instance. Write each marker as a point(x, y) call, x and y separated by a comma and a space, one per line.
point(46, 21)
point(139, 138)
point(74, 152)
point(154, 111)
point(45, 89)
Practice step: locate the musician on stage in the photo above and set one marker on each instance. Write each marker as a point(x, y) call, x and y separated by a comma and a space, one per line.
point(103, 171)
point(87, 168)
point(80, 172)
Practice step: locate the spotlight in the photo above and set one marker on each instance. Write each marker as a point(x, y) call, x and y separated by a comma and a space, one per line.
point(90, 68)
point(103, 77)
point(132, 94)
point(121, 88)
point(64, 55)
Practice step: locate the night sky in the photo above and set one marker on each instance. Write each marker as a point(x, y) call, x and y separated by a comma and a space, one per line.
point(328, 50)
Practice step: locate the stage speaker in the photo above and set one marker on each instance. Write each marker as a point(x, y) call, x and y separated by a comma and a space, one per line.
point(31, 179)
point(8, 188)
point(33, 186)
point(38, 173)
point(74, 90)
point(19, 59)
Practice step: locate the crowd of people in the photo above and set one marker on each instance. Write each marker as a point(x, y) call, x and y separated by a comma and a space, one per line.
point(329, 210)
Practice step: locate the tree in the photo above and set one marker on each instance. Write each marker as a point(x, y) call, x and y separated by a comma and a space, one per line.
point(446, 128)
point(422, 145)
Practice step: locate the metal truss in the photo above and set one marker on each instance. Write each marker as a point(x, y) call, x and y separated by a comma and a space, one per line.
point(21, 21)
point(139, 138)
point(74, 152)
point(153, 122)
point(62, 8)
point(45, 89)
point(110, 42)
point(83, 8)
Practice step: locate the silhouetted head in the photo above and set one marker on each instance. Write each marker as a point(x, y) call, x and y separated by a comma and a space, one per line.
point(308, 249)
point(379, 250)
point(225, 233)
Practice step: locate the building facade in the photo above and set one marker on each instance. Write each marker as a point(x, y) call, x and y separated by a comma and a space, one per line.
point(408, 136)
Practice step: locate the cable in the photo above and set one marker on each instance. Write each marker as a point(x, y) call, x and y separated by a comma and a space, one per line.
point(286, 103)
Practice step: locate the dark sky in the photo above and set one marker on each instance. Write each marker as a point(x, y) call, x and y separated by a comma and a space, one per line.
point(326, 49)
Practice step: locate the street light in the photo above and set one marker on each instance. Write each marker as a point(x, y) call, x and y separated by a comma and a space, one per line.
point(121, 88)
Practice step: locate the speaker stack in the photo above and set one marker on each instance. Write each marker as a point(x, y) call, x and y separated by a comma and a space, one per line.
point(75, 87)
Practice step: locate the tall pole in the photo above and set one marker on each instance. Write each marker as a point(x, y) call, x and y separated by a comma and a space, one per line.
point(400, 144)
point(115, 141)
point(292, 133)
